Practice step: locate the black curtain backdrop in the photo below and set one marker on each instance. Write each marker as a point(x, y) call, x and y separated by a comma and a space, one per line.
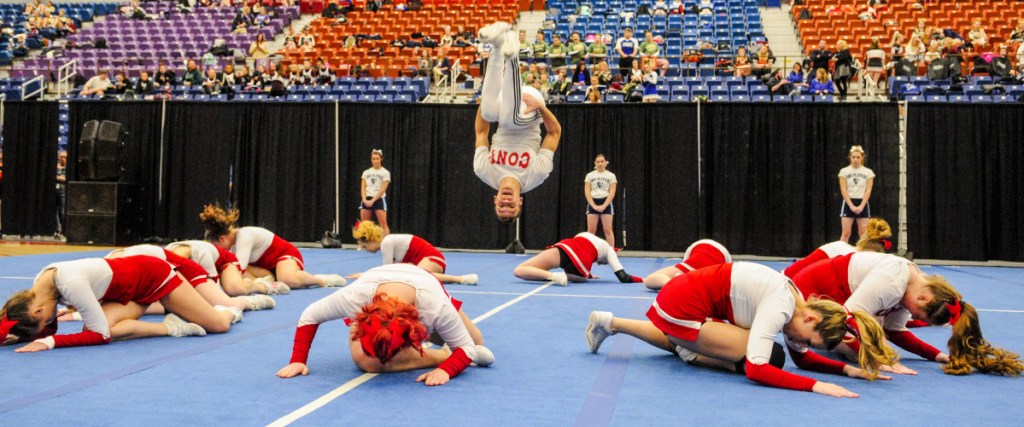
point(770, 171)
point(30, 132)
point(964, 165)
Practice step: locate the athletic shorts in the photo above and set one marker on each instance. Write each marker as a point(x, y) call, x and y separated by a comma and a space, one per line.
point(566, 263)
point(380, 205)
point(278, 251)
point(610, 210)
point(845, 211)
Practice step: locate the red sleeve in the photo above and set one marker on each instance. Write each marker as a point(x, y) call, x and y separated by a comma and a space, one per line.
point(79, 339)
point(910, 342)
point(812, 361)
point(303, 341)
point(455, 363)
point(771, 376)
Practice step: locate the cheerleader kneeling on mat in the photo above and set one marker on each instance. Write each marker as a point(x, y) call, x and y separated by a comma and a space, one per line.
point(405, 249)
point(575, 256)
point(702, 253)
point(222, 266)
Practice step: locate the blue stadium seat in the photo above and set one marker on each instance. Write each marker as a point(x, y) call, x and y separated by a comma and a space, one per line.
point(614, 98)
point(679, 97)
point(349, 97)
point(936, 98)
point(803, 98)
point(739, 98)
point(367, 97)
point(959, 98)
point(781, 98)
point(823, 98)
point(761, 98)
point(981, 98)
point(576, 98)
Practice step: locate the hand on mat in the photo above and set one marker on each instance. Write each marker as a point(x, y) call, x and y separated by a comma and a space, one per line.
point(32, 347)
point(897, 368)
point(829, 389)
point(855, 372)
point(942, 358)
point(292, 370)
point(354, 276)
point(435, 377)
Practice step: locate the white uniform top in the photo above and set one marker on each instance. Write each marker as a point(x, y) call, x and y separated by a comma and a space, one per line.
point(877, 285)
point(511, 157)
point(394, 247)
point(600, 183)
point(147, 250)
point(763, 303)
point(250, 244)
point(81, 284)
point(375, 178)
point(605, 253)
point(837, 248)
point(203, 253)
point(856, 180)
point(434, 305)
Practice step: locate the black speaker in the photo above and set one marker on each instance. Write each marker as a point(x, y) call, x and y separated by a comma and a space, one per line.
point(86, 150)
point(107, 152)
point(105, 213)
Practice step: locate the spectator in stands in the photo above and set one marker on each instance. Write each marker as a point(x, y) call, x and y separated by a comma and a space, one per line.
point(868, 13)
point(62, 167)
point(374, 5)
point(581, 76)
point(258, 49)
point(797, 78)
point(779, 85)
point(227, 79)
point(192, 76)
point(290, 41)
point(256, 81)
point(763, 62)
point(844, 68)
point(821, 56)
point(874, 65)
point(594, 91)
point(465, 38)
point(442, 66)
point(242, 76)
point(598, 51)
point(1017, 34)
point(324, 76)
point(558, 53)
point(916, 49)
point(165, 77)
point(332, 10)
point(295, 75)
point(211, 84)
point(97, 85)
point(634, 78)
point(540, 48)
point(603, 74)
point(446, 38)
point(525, 48)
point(306, 40)
point(1020, 54)
point(577, 49)
point(627, 48)
point(821, 85)
point(242, 20)
point(650, 53)
point(896, 49)
point(660, 8)
point(425, 64)
point(650, 84)
point(120, 84)
point(922, 31)
point(741, 63)
point(533, 69)
point(706, 8)
point(977, 35)
point(932, 53)
point(560, 87)
point(145, 85)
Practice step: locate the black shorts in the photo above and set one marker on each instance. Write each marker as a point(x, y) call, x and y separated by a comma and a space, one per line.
point(846, 212)
point(610, 210)
point(380, 205)
point(566, 263)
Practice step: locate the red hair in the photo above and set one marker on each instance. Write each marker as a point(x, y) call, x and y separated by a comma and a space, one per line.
point(386, 326)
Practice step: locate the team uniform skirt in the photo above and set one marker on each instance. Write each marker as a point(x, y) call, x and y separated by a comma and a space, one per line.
point(278, 251)
point(689, 300)
point(420, 250)
point(846, 212)
point(576, 256)
point(610, 210)
point(142, 279)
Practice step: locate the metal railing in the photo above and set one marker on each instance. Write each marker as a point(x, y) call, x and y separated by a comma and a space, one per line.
point(26, 93)
point(447, 86)
point(65, 75)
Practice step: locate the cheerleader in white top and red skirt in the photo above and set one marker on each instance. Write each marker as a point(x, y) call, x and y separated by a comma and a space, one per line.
point(392, 310)
point(728, 315)
point(260, 252)
point(575, 256)
point(110, 295)
point(702, 253)
point(875, 239)
point(407, 249)
point(222, 266)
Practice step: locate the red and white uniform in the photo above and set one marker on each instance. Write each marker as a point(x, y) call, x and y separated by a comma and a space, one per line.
point(212, 258)
point(704, 253)
point(409, 249)
point(826, 251)
point(871, 282)
point(262, 248)
point(438, 311)
point(86, 283)
point(748, 295)
point(514, 156)
point(585, 249)
point(194, 273)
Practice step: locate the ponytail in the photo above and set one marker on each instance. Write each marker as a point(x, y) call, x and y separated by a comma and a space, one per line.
point(217, 221)
point(367, 230)
point(16, 323)
point(874, 350)
point(968, 349)
point(874, 239)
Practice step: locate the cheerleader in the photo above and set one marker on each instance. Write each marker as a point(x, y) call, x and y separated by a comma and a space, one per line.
point(198, 277)
point(855, 183)
point(575, 256)
point(260, 252)
point(392, 310)
point(727, 316)
point(702, 253)
point(875, 239)
point(374, 189)
point(110, 295)
point(599, 188)
point(517, 160)
point(405, 249)
point(222, 266)
point(894, 289)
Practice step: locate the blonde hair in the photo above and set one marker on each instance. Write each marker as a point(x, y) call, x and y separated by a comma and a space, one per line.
point(877, 230)
point(368, 231)
point(874, 349)
point(217, 221)
point(968, 349)
point(821, 75)
point(842, 45)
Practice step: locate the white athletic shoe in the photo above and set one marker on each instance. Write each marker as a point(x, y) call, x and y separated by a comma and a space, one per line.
point(687, 355)
point(510, 46)
point(277, 288)
point(599, 327)
point(560, 278)
point(258, 302)
point(332, 280)
point(494, 32)
point(484, 356)
point(469, 279)
point(176, 327)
